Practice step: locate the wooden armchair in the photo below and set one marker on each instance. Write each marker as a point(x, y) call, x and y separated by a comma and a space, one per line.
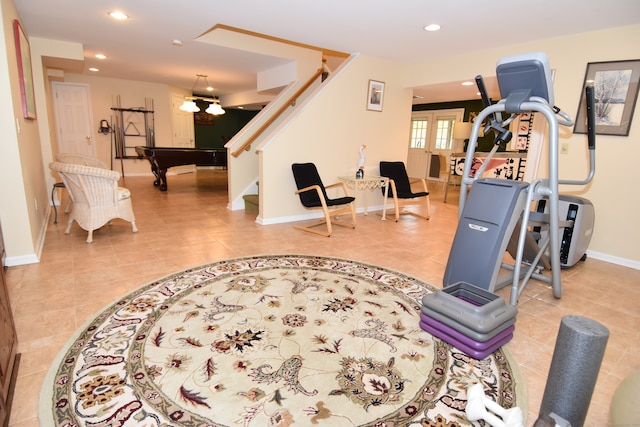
point(401, 190)
point(313, 194)
point(96, 197)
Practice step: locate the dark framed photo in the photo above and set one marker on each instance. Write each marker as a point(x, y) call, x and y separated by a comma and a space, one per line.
point(375, 95)
point(203, 118)
point(616, 92)
point(24, 71)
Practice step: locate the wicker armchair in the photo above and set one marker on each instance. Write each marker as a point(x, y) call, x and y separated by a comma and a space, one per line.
point(96, 197)
point(80, 159)
point(77, 159)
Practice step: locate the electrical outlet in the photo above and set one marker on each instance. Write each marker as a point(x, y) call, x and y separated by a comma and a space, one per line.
point(564, 148)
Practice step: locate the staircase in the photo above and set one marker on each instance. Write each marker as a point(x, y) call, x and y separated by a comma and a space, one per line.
point(251, 203)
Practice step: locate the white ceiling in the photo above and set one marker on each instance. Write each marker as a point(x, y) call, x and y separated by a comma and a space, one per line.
point(141, 47)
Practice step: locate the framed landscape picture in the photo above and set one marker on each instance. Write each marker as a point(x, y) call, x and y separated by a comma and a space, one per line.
point(615, 86)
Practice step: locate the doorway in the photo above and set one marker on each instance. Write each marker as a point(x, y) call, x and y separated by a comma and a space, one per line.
point(431, 134)
point(74, 124)
point(183, 131)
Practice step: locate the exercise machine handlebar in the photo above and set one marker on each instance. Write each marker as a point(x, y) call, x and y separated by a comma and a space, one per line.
point(591, 139)
point(591, 116)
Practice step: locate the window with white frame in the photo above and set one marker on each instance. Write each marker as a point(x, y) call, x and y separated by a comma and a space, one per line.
point(432, 130)
point(444, 133)
point(418, 133)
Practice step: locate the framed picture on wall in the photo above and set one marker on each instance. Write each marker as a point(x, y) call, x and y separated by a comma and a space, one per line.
point(24, 71)
point(203, 118)
point(375, 95)
point(616, 92)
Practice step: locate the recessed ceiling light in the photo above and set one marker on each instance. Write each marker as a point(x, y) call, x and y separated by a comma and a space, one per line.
point(467, 83)
point(432, 27)
point(93, 69)
point(176, 42)
point(118, 15)
point(101, 56)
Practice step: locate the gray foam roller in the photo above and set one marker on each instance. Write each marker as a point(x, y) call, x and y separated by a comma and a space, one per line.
point(574, 368)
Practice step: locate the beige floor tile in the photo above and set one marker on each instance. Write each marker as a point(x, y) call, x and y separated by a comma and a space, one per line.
point(190, 225)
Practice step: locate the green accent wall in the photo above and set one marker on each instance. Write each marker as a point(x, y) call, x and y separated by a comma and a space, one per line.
point(215, 131)
point(485, 143)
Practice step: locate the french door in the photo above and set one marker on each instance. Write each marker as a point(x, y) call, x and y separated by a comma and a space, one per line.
point(431, 134)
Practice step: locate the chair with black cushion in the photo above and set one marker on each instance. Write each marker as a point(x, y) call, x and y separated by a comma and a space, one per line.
point(313, 194)
point(402, 192)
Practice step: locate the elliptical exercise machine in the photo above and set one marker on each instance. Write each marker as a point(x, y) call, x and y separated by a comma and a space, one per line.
point(496, 216)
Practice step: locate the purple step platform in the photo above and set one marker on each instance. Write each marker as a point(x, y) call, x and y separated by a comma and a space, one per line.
point(477, 350)
point(461, 337)
point(471, 306)
point(455, 323)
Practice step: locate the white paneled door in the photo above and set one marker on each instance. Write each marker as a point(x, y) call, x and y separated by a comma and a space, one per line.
point(74, 125)
point(183, 131)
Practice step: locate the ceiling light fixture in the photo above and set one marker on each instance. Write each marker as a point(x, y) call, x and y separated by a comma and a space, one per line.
point(190, 106)
point(118, 15)
point(467, 83)
point(215, 108)
point(94, 69)
point(100, 56)
point(432, 27)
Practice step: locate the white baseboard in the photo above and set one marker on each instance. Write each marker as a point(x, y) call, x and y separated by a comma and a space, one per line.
point(12, 261)
point(305, 217)
point(614, 259)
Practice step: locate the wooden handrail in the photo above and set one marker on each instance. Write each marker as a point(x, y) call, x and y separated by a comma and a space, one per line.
point(247, 144)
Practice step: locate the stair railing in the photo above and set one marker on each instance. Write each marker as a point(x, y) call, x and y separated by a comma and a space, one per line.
point(246, 146)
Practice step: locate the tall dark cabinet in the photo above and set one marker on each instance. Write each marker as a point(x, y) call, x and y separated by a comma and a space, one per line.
point(8, 345)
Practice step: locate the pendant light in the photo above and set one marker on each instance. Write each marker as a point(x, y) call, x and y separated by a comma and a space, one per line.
point(215, 108)
point(190, 106)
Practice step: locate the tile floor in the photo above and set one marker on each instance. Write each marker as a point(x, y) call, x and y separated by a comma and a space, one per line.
point(190, 225)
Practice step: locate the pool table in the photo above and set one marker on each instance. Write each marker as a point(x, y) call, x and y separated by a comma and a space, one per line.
point(162, 158)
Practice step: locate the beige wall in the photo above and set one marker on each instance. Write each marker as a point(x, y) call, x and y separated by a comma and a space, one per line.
point(328, 131)
point(335, 122)
point(612, 191)
point(24, 206)
point(104, 93)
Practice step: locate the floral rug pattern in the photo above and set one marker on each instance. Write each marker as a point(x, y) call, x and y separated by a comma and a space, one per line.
point(283, 340)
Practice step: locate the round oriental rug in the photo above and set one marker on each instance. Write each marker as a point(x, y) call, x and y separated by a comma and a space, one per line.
point(270, 341)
